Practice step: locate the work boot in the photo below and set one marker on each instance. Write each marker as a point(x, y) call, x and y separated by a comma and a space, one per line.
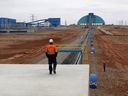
point(54, 72)
point(50, 72)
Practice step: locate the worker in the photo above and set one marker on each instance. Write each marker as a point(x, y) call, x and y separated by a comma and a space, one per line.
point(51, 53)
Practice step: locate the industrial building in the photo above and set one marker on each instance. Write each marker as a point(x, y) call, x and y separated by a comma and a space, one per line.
point(54, 21)
point(7, 21)
point(95, 20)
point(50, 22)
point(11, 25)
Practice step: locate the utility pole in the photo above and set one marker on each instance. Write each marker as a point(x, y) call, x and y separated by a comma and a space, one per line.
point(32, 24)
point(65, 23)
point(32, 17)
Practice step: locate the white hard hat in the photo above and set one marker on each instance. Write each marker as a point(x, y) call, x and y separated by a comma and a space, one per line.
point(50, 40)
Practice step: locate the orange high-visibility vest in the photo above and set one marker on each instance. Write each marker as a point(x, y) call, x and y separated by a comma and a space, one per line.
point(51, 49)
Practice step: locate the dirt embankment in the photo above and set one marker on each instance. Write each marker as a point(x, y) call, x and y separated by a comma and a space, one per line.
point(113, 51)
point(114, 48)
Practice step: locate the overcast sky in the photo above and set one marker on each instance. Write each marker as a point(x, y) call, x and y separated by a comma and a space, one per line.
point(112, 11)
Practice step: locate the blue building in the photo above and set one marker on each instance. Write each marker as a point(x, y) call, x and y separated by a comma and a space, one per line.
point(54, 22)
point(4, 21)
point(95, 20)
point(10, 25)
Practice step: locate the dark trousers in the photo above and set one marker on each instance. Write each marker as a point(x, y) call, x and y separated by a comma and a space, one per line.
point(52, 63)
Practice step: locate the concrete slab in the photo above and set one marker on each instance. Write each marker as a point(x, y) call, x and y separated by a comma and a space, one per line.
point(34, 80)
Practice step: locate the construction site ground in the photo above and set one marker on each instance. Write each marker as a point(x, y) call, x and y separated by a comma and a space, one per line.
point(113, 51)
point(28, 48)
